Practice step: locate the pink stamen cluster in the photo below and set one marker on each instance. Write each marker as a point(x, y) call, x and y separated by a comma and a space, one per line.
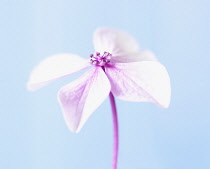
point(100, 60)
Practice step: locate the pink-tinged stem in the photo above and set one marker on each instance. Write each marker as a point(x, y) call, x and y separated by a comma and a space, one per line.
point(115, 128)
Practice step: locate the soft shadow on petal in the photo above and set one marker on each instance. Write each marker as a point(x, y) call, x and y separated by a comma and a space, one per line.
point(83, 96)
point(54, 67)
point(144, 55)
point(114, 41)
point(145, 81)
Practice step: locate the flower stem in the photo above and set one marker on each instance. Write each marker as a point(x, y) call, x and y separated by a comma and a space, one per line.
point(115, 130)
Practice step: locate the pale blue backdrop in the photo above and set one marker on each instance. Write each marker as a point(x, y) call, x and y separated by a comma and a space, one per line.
point(33, 134)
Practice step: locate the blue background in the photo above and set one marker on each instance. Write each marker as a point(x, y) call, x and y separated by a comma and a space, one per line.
point(33, 134)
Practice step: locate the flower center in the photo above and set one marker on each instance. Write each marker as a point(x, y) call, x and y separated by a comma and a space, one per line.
point(100, 60)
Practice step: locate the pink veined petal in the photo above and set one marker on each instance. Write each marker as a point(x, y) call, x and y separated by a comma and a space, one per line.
point(145, 81)
point(54, 67)
point(114, 41)
point(121, 45)
point(144, 55)
point(82, 97)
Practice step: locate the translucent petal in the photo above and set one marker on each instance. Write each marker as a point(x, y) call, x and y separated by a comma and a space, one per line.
point(83, 96)
point(114, 41)
point(54, 67)
point(145, 81)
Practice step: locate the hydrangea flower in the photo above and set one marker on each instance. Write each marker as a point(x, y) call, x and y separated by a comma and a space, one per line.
point(119, 68)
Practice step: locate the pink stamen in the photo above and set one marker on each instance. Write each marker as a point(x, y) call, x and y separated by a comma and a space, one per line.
point(100, 60)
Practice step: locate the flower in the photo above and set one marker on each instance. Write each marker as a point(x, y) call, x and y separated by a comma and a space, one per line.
point(118, 66)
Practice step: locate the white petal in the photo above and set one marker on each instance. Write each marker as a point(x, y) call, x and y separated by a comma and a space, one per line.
point(54, 67)
point(145, 81)
point(114, 41)
point(144, 55)
point(83, 96)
